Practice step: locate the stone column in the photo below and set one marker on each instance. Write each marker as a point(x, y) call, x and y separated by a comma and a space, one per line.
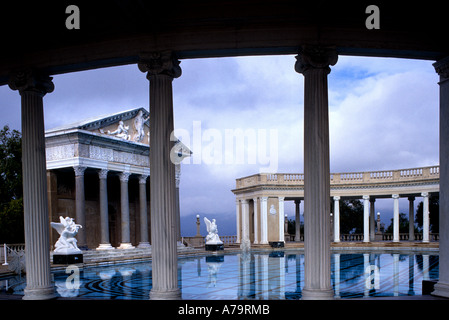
point(365, 218)
point(395, 217)
point(336, 219)
point(256, 221)
point(281, 219)
point(411, 219)
point(372, 219)
point(124, 206)
point(237, 218)
point(442, 287)
point(297, 221)
point(425, 217)
point(313, 63)
point(162, 68)
point(144, 243)
point(32, 88)
point(80, 205)
point(245, 242)
point(263, 220)
point(104, 215)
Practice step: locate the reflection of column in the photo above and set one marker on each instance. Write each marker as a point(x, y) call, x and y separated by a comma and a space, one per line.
point(395, 274)
point(256, 221)
point(237, 213)
point(367, 273)
point(425, 267)
point(32, 88)
point(411, 274)
point(104, 219)
point(365, 218)
point(162, 68)
point(395, 218)
point(411, 219)
point(124, 204)
point(425, 217)
point(263, 220)
point(337, 274)
point(336, 219)
point(80, 206)
point(297, 221)
point(281, 219)
point(442, 287)
point(143, 212)
point(313, 63)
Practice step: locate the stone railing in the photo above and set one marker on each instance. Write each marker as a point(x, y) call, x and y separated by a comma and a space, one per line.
point(366, 177)
point(200, 241)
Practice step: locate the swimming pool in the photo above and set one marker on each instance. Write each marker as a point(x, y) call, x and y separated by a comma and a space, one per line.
point(252, 275)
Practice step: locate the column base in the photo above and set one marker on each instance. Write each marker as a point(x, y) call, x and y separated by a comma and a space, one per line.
point(317, 294)
point(105, 246)
point(165, 294)
point(39, 293)
point(126, 245)
point(441, 290)
point(144, 245)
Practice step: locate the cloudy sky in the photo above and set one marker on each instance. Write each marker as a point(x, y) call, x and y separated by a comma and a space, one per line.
point(383, 115)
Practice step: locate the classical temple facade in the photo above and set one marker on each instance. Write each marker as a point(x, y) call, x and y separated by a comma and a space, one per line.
point(260, 202)
point(98, 173)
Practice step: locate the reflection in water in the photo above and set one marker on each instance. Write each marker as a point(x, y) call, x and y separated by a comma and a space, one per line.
point(251, 275)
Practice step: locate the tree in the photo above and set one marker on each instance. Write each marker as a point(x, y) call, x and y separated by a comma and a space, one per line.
point(351, 216)
point(434, 216)
point(403, 224)
point(11, 195)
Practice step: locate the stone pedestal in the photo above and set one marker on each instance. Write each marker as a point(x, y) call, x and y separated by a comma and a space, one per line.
point(67, 258)
point(32, 87)
point(214, 247)
point(313, 63)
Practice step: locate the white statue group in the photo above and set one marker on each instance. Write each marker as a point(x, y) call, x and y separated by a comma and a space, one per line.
point(68, 229)
point(122, 130)
point(212, 229)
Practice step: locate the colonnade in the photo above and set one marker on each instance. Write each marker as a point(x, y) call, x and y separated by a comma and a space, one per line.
point(162, 67)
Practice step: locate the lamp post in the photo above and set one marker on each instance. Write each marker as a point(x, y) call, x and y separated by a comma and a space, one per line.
point(198, 226)
point(378, 235)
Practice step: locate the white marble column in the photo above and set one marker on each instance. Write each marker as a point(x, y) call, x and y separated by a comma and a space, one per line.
point(144, 243)
point(281, 219)
point(411, 219)
point(124, 206)
point(245, 242)
point(336, 219)
point(442, 287)
point(425, 217)
point(263, 220)
point(365, 218)
point(395, 217)
point(256, 220)
point(372, 219)
point(104, 216)
point(313, 63)
point(32, 88)
point(297, 221)
point(237, 219)
point(80, 206)
point(162, 68)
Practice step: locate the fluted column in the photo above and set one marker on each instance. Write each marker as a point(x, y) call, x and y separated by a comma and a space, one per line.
point(80, 206)
point(372, 219)
point(425, 217)
point(245, 242)
point(161, 69)
point(281, 220)
point(263, 220)
point(104, 216)
point(442, 287)
point(411, 219)
point(32, 88)
point(336, 219)
point(237, 213)
point(365, 218)
point(313, 63)
point(395, 217)
point(124, 206)
point(256, 220)
point(297, 221)
point(143, 212)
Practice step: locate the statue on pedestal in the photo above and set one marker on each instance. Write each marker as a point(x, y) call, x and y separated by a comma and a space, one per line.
point(213, 242)
point(67, 228)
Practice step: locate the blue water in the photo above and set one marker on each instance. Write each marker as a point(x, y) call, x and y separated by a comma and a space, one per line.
point(257, 275)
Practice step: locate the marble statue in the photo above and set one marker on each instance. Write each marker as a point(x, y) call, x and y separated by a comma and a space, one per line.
point(121, 131)
point(212, 237)
point(68, 229)
point(139, 121)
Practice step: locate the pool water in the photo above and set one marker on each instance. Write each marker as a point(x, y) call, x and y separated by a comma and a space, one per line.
point(254, 275)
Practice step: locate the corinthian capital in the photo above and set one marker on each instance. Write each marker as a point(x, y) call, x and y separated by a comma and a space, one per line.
point(315, 57)
point(31, 81)
point(442, 67)
point(160, 63)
